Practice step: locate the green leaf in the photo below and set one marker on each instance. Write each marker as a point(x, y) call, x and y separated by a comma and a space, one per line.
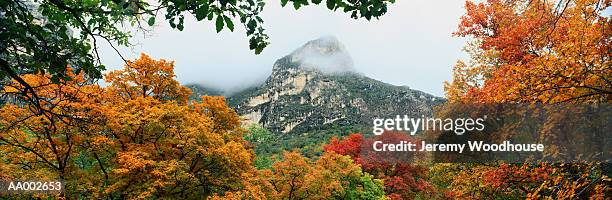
point(219, 23)
point(368, 15)
point(55, 79)
point(179, 26)
point(296, 5)
point(257, 44)
point(259, 49)
point(151, 21)
point(316, 1)
point(347, 9)
point(252, 43)
point(251, 26)
point(331, 4)
point(284, 2)
point(201, 12)
point(229, 23)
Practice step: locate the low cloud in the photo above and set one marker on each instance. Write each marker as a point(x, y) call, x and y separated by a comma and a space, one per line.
point(326, 54)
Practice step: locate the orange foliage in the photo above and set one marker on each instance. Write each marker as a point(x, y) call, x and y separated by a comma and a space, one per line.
point(332, 176)
point(137, 138)
point(147, 77)
point(535, 51)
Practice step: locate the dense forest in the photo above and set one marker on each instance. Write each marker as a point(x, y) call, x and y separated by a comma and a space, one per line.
point(141, 135)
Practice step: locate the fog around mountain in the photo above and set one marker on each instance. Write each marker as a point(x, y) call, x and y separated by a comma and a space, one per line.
point(410, 45)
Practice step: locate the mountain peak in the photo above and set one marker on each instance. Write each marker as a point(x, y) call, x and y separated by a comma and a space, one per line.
point(322, 45)
point(315, 88)
point(326, 54)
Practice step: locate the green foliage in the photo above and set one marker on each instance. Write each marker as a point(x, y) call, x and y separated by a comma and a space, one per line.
point(28, 45)
point(365, 187)
point(268, 146)
point(260, 137)
point(358, 9)
point(310, 143)
point(264, 161)
point(262, 141)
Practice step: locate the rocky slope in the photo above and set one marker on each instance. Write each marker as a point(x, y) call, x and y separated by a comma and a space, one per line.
point(315, 88)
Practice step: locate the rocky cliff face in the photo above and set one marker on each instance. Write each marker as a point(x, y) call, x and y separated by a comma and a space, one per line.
point(315, 87)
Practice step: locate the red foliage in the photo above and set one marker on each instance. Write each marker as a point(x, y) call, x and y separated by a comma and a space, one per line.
point(403, 180)
point(349, 146)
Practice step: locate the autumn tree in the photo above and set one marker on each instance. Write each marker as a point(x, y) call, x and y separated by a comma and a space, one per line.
point(403, 180)
point(511, 181)
point(568, 168)
point(137, 138)
point(49, 146)
point(332, 176)
point(535, 51)
point(547, 53)
point(154, 125)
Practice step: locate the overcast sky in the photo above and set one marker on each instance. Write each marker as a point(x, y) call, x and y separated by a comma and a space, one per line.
point(411, 45)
